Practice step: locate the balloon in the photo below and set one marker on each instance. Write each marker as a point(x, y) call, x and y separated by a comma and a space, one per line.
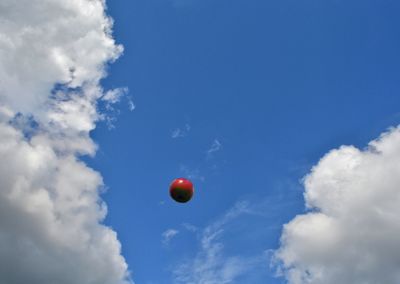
point(181, 190)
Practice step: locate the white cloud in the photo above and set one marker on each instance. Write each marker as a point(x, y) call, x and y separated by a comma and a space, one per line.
point(180, 132)
point(52, 56)
point(215, 147)
point(168, 235)
point(131, 105)
point(113, 96)
point(351, 235)
point(177, 133)
point(189, 227)
point(211, 265)
point(193, 174)
point(44, 42)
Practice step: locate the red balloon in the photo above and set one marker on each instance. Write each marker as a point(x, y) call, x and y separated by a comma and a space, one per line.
point(181, 190)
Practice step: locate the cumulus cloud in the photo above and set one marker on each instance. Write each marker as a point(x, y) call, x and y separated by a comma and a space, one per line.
point(51, 41)
point(351, 233)
point(52, 55)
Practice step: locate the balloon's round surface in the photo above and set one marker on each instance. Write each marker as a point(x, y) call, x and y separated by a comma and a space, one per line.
point(181, 190)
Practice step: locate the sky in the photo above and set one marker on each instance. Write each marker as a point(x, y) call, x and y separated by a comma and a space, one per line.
point(284, 115)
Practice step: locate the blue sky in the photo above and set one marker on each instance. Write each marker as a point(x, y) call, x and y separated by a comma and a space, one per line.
point(270, 86)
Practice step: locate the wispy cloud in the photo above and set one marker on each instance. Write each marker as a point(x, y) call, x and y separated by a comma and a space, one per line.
point(131, 105)
point(215, 147)
point(168, 235)
point(180, 132)
point(189, 227)
point(198, 172)
point(193, 174)
point(211, 265)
